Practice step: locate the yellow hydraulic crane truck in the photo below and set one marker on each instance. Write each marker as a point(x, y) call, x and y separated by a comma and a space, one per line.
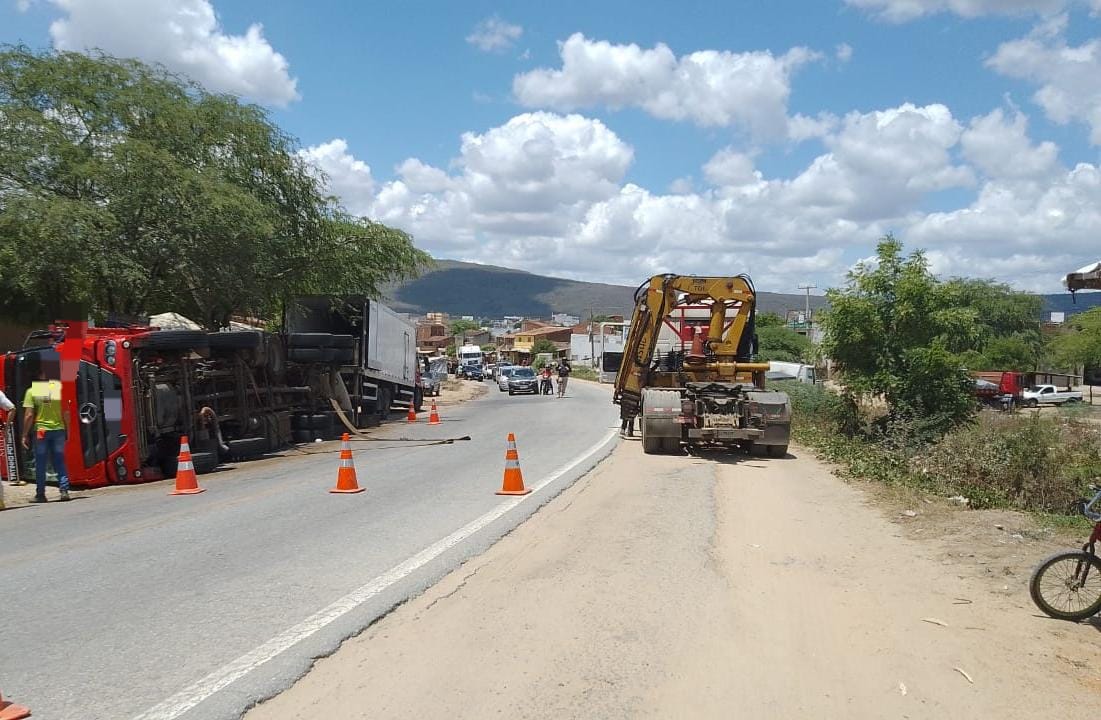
point(712, 393)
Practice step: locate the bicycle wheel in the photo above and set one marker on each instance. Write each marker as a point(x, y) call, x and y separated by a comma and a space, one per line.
point(1067, 586)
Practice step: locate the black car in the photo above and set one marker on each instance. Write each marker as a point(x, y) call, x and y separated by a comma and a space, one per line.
point(473, 372)
point(523, 380)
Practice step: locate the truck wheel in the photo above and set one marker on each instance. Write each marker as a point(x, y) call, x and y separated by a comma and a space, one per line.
point(204, 462)
point(1032, 403)
point(321, 422)
point(303, 436)
point(306, 355)
point(777, 451)
point(342, 341)
point(385, 402)
point(418, 399)
point(173, 340)
point(309, 340)
point(1073, 401)
point(237, 340)
point(650, 444)
point(247, 447)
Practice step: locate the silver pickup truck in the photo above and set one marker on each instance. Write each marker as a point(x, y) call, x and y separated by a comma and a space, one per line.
point(1049, 394)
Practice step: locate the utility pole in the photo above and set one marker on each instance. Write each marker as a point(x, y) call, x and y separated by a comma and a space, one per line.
point(806, 316)
point(592, 340)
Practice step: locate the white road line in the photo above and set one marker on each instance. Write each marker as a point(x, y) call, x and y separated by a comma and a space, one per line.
point(189, 697)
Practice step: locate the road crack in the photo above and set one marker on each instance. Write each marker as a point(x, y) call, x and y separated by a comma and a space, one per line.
point(457, 588)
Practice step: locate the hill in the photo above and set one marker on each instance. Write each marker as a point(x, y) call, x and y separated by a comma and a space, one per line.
point(1071, 305)
point(460, 288)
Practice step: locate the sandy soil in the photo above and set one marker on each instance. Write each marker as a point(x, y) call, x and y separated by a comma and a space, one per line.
point(716, 586)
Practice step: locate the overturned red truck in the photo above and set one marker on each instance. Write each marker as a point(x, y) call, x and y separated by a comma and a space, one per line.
point(129, 393)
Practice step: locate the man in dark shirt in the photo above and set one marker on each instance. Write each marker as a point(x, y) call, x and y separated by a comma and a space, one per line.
point(563, 377)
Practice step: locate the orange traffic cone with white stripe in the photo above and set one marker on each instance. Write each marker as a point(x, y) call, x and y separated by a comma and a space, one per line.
point(11, 711)
point(187, 483)
point(434, 416)
point(411, 417)
point(514, 479)
point(346, 475)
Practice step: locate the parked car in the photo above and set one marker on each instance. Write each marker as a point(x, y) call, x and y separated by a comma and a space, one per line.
point(1049, 394)
point(431, 382)
point(473, 372)
point(491, 370)
point(523, 380)
point(503, 373)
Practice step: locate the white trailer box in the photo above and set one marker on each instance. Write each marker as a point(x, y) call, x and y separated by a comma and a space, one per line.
point(385, 368)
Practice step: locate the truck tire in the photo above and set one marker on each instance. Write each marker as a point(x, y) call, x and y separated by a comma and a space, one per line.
point(303, 436)
point(777, 451)
point(385, 402)
point(306, 354)
point(650, 444)
point(1032, 402)
point(247, 447)
point(342, 341)
point(338, 356)
point(204, 462)
point(173, 340)
point(418, 399)
point(320, 422)
point(237, 340)
point(1073, 401)
point(309, 340)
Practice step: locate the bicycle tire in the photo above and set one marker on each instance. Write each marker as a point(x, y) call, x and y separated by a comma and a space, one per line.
point(1090, 605)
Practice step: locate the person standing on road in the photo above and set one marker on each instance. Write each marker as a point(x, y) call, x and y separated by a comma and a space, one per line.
point(563, 377)
point(545, 384)
point(42, 414)
point(626, 423)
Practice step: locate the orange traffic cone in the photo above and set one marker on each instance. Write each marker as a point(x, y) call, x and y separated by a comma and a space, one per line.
point(346, 475)
point(412, 416)
point(434, 416)
point(514, 479)
point(186, 481)
point(11, 711)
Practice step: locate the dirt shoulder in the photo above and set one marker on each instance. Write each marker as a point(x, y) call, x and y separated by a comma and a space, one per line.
point(711, 587)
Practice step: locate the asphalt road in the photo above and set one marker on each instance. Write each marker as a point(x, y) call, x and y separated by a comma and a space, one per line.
point(137, 604)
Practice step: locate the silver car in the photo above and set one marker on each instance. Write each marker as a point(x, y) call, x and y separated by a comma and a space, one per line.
point(503, 374)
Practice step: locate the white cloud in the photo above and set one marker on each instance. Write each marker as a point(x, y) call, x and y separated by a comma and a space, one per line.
point(347, 178)
point(1000, 148)
point(494, 35)
point(1069, 77)
point(183, 35)
point(547, 193)
point(707, 87)
point(904, 10)
point(844, 52)
point(22, 5)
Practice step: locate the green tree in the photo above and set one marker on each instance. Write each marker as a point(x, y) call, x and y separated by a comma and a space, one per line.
point(1080, 344)
point(542, 345)
point(769, 319)
point(890, 330)
point(777, 342)
point(458, 327)
point(125, 189)
point(1005, 329)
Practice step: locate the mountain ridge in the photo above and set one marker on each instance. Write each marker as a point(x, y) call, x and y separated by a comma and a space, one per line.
point(462, 288)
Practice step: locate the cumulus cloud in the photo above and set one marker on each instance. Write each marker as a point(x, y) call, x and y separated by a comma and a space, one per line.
point(183, 35)
point(710, 88)
point(905, 10)
point(844, 52)
point(346, 177)
point(1000, 148)
point(547, 193)
point(494, 35)
point(1069, 76)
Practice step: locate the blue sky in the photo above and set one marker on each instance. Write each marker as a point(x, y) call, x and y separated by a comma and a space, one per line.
point(607, 141)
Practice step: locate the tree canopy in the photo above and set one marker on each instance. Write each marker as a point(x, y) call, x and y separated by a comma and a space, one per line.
point(128, 190)
point(777, 342)
point(1081, 343)
point(891, 330)
point(458, 327)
